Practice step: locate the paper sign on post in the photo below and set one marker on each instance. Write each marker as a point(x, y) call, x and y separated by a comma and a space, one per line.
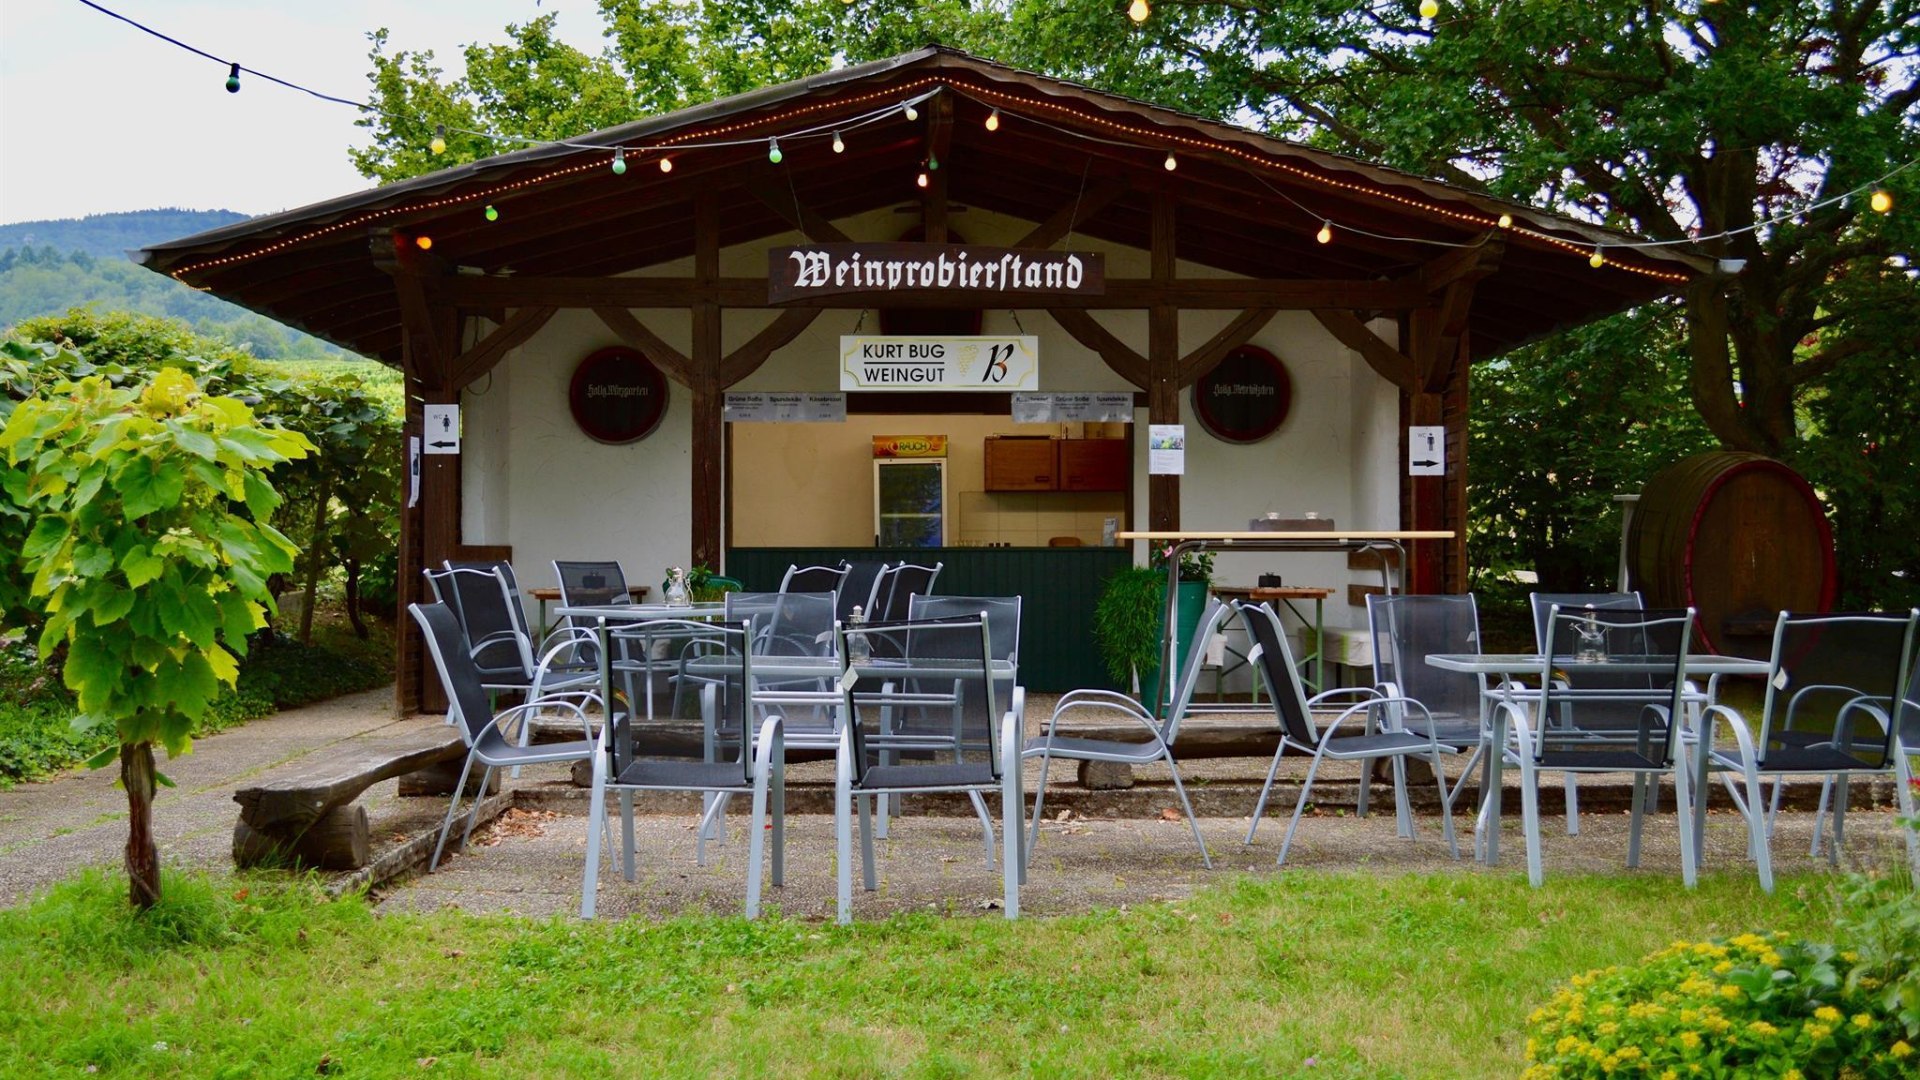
point(442, 428)
point(1426, 450)
point(1166, 449)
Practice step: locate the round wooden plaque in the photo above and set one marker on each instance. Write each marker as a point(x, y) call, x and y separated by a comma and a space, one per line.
point(617, 395)
point(1245, 398)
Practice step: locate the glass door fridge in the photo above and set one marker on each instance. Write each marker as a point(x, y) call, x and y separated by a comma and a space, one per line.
point(909, 502)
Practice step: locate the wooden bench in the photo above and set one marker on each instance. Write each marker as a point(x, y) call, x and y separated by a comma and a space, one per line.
point(306, 815)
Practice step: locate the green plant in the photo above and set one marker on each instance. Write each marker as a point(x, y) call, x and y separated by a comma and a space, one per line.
point(1194, 565)
point(1749, 1005)
point(139, 562)
point(1127, 618)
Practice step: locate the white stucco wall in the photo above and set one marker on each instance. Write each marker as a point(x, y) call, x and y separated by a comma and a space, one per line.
point(543, 487)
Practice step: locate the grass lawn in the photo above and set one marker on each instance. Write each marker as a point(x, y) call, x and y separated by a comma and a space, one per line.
point(1307, 974)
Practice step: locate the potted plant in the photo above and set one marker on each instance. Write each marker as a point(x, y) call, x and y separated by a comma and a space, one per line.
point(1129, 618)
point(705, 586)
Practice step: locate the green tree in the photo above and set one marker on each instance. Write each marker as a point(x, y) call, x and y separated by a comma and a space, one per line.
point(143, 568)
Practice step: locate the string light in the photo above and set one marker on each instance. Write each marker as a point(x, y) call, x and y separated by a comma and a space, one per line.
point(491, 213)
point(1138, 11)
point(839, 144)
point(666, 164)
point(921, 180)
point(1325, 235)
point(619, 161)
point(439, 143)
point(1882, 201)
point(233, 78)
point(932, 162)
point(912, 113)
point(1506, 221)
point(423, 242)
point(773, 151)
point(1171, 163)
point(1429, 8)
point(1598, 259)
point(993, 120)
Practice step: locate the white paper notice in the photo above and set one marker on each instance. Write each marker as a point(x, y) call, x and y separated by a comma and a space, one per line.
point(1166, 449)
point(413, 471)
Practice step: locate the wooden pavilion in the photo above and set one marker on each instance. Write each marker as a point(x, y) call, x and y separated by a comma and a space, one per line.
point(447, 274)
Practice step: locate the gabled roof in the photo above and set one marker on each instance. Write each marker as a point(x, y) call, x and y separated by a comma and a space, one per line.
point(1247, 203)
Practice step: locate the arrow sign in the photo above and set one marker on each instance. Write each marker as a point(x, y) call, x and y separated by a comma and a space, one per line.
point(442, 424)
point(1426, 450)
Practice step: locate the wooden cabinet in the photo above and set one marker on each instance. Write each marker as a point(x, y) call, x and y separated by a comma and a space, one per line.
point(1093, 465)
point(1017, 463)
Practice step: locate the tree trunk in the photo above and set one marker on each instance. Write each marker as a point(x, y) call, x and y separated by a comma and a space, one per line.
point(353, 599)
point(316, 556)
point(143, 857)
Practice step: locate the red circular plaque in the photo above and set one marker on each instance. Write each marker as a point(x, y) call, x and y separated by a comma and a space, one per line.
point(1245, 398)
point(617, 395)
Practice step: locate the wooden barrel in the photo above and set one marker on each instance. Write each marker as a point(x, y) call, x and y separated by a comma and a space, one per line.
point(1740, 537)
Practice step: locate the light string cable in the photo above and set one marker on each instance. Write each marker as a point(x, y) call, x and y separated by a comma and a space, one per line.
point(521, 140)
point(1785, 215)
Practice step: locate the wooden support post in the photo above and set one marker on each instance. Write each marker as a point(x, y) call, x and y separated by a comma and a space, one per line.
point(708, 400)
point(1163, 365)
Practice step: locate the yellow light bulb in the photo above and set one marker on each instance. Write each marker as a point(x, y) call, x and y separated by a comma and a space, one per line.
point(1429, 8)
point(1881, 202)
point(424, 243)
point(912, 113)
point(438, 145)
point(1506, 221)
point(666, 164)
point(1171, 163)
point(839, 144)
point(1597, 260)
point(921, 180)
point(993, 120)
point(1325, 235)
point(1138, 11)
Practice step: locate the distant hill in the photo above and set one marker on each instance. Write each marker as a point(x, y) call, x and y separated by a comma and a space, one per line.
point(47, 267)
point(113, 235)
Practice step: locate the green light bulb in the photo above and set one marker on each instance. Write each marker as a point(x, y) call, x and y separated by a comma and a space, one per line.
point(492, 214)
point(233, 78)
point(619, 162)
point(773, 151)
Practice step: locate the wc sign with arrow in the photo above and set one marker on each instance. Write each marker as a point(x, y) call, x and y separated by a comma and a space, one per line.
point(441, 430)
point(1427, 450)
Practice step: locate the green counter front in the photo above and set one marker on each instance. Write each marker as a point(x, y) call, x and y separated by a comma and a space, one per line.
point(1058, 587)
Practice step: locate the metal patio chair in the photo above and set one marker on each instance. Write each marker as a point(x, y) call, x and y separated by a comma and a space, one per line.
point(1405, 629)
point(1160, 733)
point(623, 766)
point(815, 579)
point(1836, 705)
point(1643, 674)
point(1599, 717)
point(895, 588)
point(485, 732)
point(1294, 710)
point(940, 655)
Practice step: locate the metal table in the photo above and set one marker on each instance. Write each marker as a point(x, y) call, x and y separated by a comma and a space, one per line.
point(1509, 665)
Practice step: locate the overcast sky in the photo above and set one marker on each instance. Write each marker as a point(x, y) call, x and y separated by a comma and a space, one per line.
point(96, 116)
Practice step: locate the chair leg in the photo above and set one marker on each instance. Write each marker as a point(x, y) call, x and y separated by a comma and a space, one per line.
point(1840, 819)
point(1820, 816)
point(1361, 800)
point(868, 875)
point(1639, 814)
point(1446, 804)
point(479, 797)
point(626, 836)
point(1530, 819)
point(756, 843)
point(1402, 812)
point(1192, 822)
point(986, 822)
point(453, 807)
point(1573, 804)
point(1306, 789)
point(1013, 862)
point(1759, 831)
point(843, 849)
point(1039, 798)
point(1682, 801)
point(1903, 783)
point(1260, 805)
point(590, 878)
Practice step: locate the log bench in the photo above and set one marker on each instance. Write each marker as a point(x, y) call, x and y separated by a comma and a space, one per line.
point(305, 814)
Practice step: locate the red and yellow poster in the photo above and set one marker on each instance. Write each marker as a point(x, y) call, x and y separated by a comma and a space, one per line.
point(895, 446)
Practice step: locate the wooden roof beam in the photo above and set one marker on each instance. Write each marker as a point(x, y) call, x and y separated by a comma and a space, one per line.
point(631, 331)
point(487, 352)
point(1072, 215)
point(1197, 363)
point(1086, 330)
point(1386, 361)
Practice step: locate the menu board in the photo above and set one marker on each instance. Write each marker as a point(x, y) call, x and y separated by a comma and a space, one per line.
point(1099, 407)
point(785, 408)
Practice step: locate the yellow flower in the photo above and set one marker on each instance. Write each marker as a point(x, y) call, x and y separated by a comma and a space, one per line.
point(1817, 1032)
point(1791, 1074)
point(1690, 1040)
point(1567, 1044)
point(1770, 958)
point(1723, 967)
point(1862, 1021)
point(1900, 1049)
point(1670, 1075)
point(1827, 1013)
point(1730, 992)
point(1608, 1028)
point(1761, 1027)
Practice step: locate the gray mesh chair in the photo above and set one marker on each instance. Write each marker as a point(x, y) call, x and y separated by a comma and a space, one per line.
point(601, 584)
point(1588, 719)
point(813, 578)
point(1406, 629)
point(858, 587)
point(483, 600)
point(623, 767)
point(895, 588)
point(1644, 676)
point(1294, 709)
point(1159, 735)
point(486, 733)
point(938, 655)
point(1841, 677)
